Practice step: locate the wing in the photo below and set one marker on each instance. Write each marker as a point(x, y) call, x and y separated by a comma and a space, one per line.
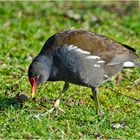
point(79, 66)
point(106, 48)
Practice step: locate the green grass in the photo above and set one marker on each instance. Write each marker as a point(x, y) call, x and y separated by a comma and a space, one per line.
point(24, 28)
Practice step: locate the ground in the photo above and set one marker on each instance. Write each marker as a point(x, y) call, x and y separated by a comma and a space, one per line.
point(24, 28)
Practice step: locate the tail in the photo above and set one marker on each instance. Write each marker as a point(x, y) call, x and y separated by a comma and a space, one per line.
point(130, 64)
point(137, 64)
point(133, 56)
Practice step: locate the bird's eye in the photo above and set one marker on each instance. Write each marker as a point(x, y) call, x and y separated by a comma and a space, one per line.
point(37, 77)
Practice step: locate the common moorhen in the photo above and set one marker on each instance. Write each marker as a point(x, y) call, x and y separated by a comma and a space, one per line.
point(82, 58)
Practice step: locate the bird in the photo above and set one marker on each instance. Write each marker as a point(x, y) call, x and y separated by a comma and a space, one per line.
point(82, 58)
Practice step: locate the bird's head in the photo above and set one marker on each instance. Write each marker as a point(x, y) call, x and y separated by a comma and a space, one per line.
point(38, 73)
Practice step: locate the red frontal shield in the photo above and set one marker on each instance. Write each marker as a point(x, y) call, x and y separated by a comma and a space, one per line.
point(33, 84)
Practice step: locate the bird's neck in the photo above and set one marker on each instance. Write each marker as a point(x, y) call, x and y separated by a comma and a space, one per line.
point(55, 74)
point(46, 61)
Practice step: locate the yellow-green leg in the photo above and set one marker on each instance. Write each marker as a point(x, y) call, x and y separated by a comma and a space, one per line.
point(57, 102)
point(97, 104)
point(65, 88)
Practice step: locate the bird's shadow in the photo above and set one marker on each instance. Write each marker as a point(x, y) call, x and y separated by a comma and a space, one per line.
point(8, 102)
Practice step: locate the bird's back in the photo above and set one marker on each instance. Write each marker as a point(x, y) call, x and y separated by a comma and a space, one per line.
point(105, 58)
point(96, 44)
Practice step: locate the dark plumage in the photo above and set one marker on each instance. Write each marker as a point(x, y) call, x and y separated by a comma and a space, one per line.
point(82, 58)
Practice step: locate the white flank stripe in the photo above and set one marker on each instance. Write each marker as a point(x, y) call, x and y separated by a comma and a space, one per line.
point(98, 66)
point(71, 47)
point(93, 57)
point(128, 64)
point(106, 76)
point(81, 51)
point(100, 62)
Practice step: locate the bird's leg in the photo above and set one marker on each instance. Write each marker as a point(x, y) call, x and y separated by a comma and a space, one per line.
point(57, 102)
point(97, 104)
point(65, 88)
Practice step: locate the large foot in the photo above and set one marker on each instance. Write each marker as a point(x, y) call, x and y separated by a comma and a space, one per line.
point(56, 106)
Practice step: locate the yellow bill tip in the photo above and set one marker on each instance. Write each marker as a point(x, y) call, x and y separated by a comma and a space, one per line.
point(32, 94)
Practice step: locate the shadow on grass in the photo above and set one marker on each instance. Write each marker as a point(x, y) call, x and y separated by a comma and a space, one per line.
point(7, 102)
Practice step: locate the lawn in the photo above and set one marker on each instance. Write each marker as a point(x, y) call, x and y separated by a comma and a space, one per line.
point(24, 28)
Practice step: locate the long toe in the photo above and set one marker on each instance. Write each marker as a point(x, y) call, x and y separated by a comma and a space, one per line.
point(101, 113)
point(56, 106)
point(62, 110)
